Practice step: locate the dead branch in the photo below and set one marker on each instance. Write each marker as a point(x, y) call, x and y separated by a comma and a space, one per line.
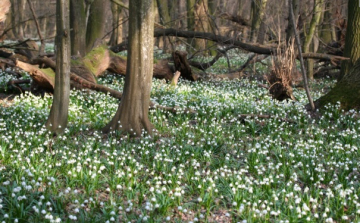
point(224, 40)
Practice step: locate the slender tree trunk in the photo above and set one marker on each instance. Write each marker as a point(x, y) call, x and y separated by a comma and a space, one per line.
point(132, 114)
point(165, 19)
point(190, 6)
point(96, 23)
point(327, 24)
point(310, 35)
point(20, 12)
point(78, 27)
point(57, 120)
point(352, 37)
point(290, 28)
point(116, 35)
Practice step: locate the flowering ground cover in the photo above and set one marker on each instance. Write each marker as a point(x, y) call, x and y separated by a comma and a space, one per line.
point(212, 166)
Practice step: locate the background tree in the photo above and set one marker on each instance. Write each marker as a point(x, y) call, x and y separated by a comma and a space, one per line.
point(132, 114)
point(257, 15)
point(95, 28)
point(347, 90)
point(58, 117)
point(310, 34)
point(77, 24)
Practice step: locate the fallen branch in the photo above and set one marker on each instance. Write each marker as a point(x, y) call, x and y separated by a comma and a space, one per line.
point(224, 40)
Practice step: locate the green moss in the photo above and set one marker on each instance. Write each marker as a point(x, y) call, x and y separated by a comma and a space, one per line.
point(93, 59)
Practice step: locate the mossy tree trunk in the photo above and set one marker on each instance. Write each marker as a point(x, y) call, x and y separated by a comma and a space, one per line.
point(96, 23)
point(352, 37)
point(309, 35)
point(78, 30)
point(57, 120)
point(132, 114)
point(347, 90)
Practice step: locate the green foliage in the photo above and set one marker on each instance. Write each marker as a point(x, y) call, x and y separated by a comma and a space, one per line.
point(208, 167)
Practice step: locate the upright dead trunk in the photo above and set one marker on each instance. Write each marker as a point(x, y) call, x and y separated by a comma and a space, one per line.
point(96, 23)
point(57, 120)
point(78, 30)
point(132, 114)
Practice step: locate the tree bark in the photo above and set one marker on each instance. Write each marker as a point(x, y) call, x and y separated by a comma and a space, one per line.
point(77, 25)
point(347, 90)
point(257, 13)
point(352, 38)
point(132, 114)
point(96, 23)
point(290, 28)
point(317, 10)
point(57, 120)
point(116, 35)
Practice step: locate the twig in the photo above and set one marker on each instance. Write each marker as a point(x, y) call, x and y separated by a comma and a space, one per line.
point(303, 71)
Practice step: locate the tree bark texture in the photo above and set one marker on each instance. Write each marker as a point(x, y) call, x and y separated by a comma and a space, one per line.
point(57, 120)
point(132, 114)
point(78, 30)
point(95, 27)
point(257, 13)
point(352, 38)
point(309, 35)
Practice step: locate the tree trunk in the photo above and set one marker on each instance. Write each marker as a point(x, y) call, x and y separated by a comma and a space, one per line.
point(309, 35)
point(116, 36)
point(57, 120)
point(78, 30)
point(96, 23)
point(132, 114)
point(257, 13)
point(352, 38)
point(347, 90)
point(327, 24)
point(290, 28)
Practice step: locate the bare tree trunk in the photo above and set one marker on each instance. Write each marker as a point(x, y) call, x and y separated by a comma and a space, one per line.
point(310, 35)
point(257, 13)
point(78, 30)
point(352, 38)
point(96, 23)
point(57, 120)
point(327, 24)
point(132, 114)
point(116, 36)
point(290, 28)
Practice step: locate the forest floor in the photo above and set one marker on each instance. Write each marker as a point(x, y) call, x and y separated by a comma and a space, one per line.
point(217, 165)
